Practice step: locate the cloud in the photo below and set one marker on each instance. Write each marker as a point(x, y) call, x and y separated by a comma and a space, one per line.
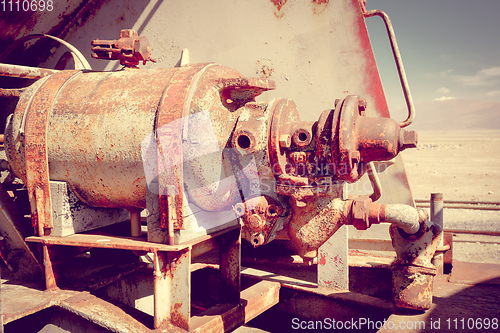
point(443, 90)
point(493, 93)
point(483, 77)
point(443, 98)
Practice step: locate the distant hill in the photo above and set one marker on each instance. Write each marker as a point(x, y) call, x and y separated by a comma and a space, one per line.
point(457, 114)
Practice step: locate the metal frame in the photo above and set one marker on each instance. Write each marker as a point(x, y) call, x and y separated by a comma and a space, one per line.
point(171, 276)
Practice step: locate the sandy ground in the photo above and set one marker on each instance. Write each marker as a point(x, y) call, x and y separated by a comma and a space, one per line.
point(463, 165)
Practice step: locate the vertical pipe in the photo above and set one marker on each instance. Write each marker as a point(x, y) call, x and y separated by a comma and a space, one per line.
point(437, 218)
point(135, 222)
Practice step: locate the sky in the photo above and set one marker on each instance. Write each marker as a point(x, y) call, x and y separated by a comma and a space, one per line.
point(450, 50)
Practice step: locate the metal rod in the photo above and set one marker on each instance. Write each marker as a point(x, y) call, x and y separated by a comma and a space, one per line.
point(375, 181)
point(464, 207)
point(462, 202)
point(135, 222)
point(473, 232)
point(25, 71)
point(399, 64)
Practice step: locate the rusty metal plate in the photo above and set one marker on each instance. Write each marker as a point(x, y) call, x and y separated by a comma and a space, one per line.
point(37, 164)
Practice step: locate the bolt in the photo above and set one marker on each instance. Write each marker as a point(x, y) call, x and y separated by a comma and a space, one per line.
point(285, 141)
point(255, 222)
point(337, 101)
point(407, 139)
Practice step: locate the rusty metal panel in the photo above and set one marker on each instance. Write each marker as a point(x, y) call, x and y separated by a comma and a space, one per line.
point(333, 261)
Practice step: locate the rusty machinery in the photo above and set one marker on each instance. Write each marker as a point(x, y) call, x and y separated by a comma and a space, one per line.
point(171, 139)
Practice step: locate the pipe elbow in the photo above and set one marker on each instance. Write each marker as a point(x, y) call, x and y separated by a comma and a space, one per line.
point(403, 216)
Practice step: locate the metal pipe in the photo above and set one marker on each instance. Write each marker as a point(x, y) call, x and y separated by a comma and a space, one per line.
point(436, 203)
point(399, 64)
point(25, 71)
point(135, 222)
point(464, 207)
point(375, 181)
point(473, 232)
point(403, 216)
point(462, 202)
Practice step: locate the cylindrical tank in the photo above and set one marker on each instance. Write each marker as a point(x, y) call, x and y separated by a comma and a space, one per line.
point(98, 121)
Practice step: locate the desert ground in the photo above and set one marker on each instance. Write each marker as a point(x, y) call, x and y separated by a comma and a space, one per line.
point(463, 165)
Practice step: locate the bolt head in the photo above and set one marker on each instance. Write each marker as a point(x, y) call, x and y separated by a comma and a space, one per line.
point(285, 141)
point(408, 139)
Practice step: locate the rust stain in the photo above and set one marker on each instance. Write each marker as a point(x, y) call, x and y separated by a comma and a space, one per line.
point(322, 260)
point(279, 3)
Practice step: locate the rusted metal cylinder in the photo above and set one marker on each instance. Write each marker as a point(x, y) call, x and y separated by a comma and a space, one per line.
point(99, 122)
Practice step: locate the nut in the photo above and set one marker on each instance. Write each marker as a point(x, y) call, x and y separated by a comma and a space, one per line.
point(359, 214)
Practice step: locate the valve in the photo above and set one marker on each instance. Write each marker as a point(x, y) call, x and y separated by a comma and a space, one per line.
point(130, 49)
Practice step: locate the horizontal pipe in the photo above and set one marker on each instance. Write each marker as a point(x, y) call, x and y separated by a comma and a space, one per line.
point(25, 71)
point(463, 207)
point(462, 202)
point(473, 232)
